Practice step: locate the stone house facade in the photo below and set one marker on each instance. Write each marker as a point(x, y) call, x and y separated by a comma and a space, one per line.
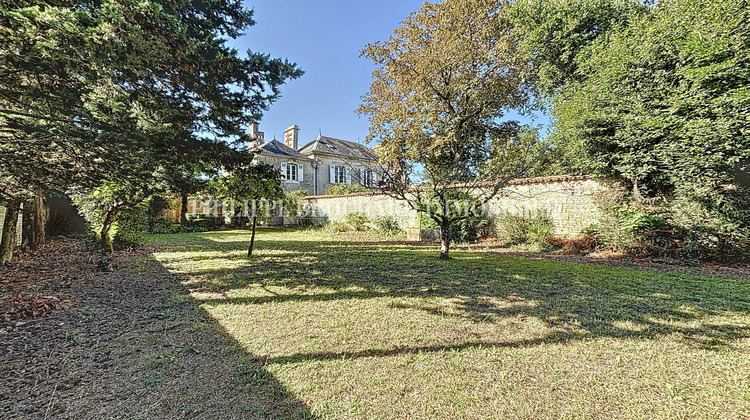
point(318, 164)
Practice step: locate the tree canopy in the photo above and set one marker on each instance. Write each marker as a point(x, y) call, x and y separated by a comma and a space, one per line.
point(444, 82)
point(114, 92)
point(93, 90)
point(657, 97)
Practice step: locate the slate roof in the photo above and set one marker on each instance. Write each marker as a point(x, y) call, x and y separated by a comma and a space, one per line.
point(278, 148)
point(336, 147)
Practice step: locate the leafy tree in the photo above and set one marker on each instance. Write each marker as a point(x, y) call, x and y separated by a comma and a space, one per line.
point(250, 188)
point(443, 83)
point(91, 90)
point(662, 103)
point(102, 205)
point(553, 34)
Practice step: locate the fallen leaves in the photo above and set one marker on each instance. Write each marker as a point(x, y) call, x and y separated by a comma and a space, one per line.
point(23, 305)
point(38, 281)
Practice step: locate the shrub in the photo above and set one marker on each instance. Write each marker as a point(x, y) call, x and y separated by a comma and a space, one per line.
point(208, 223)
point(131, 228)
point(515, 229)
point(343, 189)
point(293, 206)
point(388, 226)
point(540, 231)
point(311, 221)
point(464, 230)
point(337, 227)
point(357, 221)
point(512, 229)
point(702, 237)
point(157, 205)
point(180, 229)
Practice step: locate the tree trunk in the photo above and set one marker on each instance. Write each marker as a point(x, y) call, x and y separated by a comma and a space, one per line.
point(183, 208)
point(28, 241)
point(252, 238)
point(8, 241)
point(105, 262)
point(445, 240)
point(40, 218)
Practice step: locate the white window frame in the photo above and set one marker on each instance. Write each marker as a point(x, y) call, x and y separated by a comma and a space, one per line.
point(292, 172)
point(339, 175)
point(368, 177)
point(292, 175)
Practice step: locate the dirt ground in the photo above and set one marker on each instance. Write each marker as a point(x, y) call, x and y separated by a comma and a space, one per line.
point(126, 344)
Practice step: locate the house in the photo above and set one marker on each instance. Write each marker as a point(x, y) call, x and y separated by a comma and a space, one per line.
point(322, 162)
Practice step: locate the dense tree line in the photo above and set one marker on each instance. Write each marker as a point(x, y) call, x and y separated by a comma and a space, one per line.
point(656, 95)
point(652, 94)
point(98, 94)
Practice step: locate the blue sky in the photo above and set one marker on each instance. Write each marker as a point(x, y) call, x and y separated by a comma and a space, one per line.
point(324, 38)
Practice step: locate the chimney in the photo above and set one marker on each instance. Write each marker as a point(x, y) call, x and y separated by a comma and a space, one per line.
point(291, 136)
point(256, 136)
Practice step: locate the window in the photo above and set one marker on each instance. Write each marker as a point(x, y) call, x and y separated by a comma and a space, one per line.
point(367, 178)
point(339, 175)
point(291, 172)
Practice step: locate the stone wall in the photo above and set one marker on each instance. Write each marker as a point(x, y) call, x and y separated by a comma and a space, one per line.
point(571, 202)
point(337, 207)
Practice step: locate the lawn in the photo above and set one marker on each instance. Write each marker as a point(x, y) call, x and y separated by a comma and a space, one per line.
point(367, 329)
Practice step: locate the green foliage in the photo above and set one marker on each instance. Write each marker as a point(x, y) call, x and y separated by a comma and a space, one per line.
point(540, 231)
point(443, 85)
point(659, 100)
point(388, 226)
point(344, 189)
point(515, 229)
point(249, 188)
point(157, 205)
point(103, 205)
point(131, 227)
point(639, 221)
point(313, 221)
point(467, 229)
point(357, 221)
point(554, 34)
point(113, 90)
point(300, 193)
point(293, 205)
point(511, 228)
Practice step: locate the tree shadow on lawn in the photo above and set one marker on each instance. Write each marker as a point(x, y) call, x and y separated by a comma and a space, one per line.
point(135, 345)
point(576, 301)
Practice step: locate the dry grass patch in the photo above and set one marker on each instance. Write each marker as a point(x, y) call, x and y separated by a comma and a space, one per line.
point(357, 329)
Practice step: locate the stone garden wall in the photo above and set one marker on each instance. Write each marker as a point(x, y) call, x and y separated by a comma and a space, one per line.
point(571, 202)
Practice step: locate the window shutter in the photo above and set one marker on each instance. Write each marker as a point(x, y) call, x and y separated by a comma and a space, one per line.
point(331, 174)
point(348, 175)
point(300, 173)
point(374, 179)
point(283, 170)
